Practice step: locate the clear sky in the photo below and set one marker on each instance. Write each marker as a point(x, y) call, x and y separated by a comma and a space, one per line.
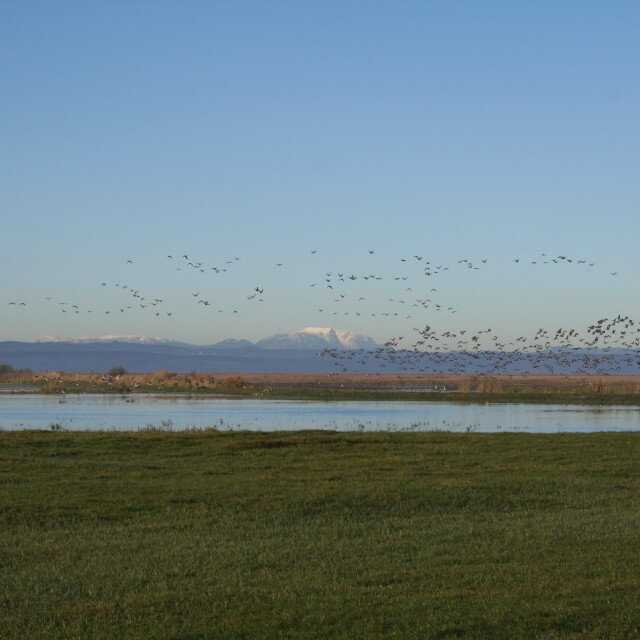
point(265, 130)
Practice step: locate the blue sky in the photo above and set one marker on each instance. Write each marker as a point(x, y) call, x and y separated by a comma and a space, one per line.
point(265, 130)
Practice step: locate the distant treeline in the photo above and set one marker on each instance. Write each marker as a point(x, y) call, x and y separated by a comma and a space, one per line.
point(7, 369)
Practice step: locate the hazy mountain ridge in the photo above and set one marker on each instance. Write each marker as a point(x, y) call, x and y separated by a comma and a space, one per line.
point(232, 343)
point(318, 338)
point(308, 338)
point(129, 339)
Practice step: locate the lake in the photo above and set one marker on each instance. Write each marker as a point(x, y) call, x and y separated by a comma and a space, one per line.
point(173, 412)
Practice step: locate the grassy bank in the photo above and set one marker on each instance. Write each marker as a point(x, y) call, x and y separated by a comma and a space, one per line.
point(560, 389)
point(319, 535)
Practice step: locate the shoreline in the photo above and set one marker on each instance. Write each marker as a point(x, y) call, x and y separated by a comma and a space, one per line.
point(556, 396)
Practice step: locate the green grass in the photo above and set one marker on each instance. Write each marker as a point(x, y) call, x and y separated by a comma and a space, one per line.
point(319, 535)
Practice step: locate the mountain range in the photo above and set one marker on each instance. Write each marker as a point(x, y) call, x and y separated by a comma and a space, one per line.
point(308, 338)
point(292, 352)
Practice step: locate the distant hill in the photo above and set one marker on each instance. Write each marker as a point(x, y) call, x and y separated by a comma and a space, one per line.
point(318, 338)
point(232, 343)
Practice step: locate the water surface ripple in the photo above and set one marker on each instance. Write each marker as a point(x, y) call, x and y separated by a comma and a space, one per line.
point(134, 412)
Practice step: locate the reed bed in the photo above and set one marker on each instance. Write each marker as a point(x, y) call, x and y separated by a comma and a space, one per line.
point(345, 385)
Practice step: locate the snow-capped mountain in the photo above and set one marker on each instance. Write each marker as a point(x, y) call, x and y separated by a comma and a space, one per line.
point(317, 338)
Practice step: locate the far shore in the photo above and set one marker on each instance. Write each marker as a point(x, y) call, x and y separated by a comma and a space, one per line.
point(557, 389)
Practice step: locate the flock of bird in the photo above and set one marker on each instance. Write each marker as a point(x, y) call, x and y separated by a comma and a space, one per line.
point(606, 346)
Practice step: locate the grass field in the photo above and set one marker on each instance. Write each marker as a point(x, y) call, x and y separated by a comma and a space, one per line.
point(319, 535)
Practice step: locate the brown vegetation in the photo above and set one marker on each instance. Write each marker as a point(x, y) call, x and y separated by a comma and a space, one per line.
point(52, 381)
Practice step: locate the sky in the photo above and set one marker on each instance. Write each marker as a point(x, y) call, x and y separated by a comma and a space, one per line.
point(268, 130)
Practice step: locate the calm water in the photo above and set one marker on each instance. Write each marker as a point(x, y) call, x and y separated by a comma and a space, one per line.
point(126, 412)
